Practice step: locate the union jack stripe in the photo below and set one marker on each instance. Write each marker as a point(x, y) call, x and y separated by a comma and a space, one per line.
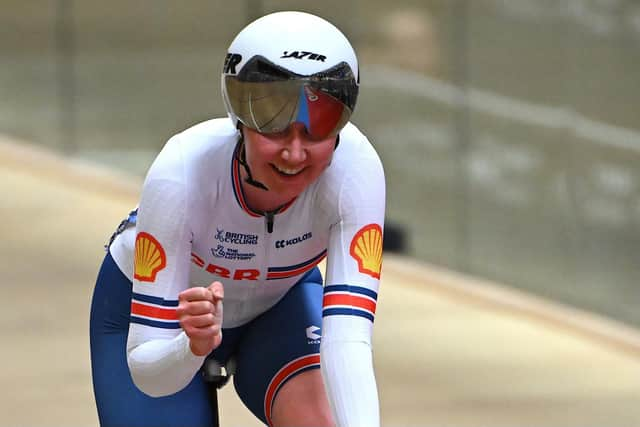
point(349, 301)
point(154, 311)
point(294, 270)
point(286, 373)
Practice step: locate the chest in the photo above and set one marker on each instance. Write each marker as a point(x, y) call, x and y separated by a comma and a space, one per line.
point(239, 248)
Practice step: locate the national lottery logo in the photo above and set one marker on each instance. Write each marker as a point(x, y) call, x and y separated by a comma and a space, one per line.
point(231, 254)
point(280, 244)
point(235, 238)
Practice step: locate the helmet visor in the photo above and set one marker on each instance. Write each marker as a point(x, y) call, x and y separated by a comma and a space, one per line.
point(268, 98)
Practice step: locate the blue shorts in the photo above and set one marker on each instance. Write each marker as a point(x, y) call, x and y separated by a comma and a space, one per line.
point(269, 350)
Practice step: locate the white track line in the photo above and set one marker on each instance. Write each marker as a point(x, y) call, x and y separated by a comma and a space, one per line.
point(495, 296)
point(528, 113)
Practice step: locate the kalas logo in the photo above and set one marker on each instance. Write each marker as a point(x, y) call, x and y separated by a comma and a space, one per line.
point(296, 54)
point(280, 244)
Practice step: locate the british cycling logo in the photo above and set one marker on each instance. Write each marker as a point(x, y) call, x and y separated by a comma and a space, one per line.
point(235, 238)
point(231, 254)
point(297, 54)
point(280, 244)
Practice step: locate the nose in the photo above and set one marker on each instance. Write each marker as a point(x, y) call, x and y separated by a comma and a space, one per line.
point(294, 150)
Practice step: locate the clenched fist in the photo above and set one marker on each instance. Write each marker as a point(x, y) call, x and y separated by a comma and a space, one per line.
point(200, 314)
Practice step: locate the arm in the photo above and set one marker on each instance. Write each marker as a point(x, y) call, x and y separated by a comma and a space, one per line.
point(354, 399)
point(160, 367)
point(346, 358)
point(352, 280)
point(158, 350)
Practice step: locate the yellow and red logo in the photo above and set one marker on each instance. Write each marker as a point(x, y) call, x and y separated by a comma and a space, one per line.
point(366, 248)
point(149, 258)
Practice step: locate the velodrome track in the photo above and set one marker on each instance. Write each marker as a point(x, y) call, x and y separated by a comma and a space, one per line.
point(449, 350)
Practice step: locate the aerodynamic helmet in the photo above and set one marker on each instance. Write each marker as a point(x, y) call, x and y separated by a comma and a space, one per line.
point(289, 67)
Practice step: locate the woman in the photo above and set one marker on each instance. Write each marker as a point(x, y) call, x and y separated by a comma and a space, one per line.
point(241, 210)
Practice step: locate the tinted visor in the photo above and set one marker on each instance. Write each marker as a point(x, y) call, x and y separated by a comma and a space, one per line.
point(268, 98)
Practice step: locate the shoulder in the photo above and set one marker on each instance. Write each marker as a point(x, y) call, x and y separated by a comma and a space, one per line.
point(203, 145)
point(355, 157)
point(210, 129)
point(355, 177)
point(206, 136)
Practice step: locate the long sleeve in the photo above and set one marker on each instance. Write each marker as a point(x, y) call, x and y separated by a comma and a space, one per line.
point(163, 366)
point(347, 371)
point(354, 264)
point(158, 354)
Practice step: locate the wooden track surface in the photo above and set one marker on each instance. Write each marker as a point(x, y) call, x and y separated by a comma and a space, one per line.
point(449, 350)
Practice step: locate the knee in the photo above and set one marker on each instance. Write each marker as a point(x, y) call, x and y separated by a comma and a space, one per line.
point(302, 402)
point(302, 415)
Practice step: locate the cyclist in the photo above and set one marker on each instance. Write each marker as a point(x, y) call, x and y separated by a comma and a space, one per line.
point(237, 212)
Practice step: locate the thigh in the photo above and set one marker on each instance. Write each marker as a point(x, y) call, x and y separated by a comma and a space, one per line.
point(280, 344)
point(118, 400)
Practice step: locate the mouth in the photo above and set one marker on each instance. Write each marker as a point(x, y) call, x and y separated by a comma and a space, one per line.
point(287, 171)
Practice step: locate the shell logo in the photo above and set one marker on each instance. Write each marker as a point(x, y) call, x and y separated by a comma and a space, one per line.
point(149, 258)
point(366, 248)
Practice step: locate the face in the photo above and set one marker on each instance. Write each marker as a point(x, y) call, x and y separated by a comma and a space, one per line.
point(287, 162)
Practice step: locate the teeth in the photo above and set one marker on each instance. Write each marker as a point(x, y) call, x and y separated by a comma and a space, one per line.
point(288, 171)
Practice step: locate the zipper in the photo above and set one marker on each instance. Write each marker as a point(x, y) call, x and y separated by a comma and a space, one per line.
point(268, 219)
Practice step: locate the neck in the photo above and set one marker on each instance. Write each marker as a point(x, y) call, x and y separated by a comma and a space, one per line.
point(259, 199)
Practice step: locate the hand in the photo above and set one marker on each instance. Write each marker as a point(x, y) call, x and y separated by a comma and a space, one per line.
point(200, 314)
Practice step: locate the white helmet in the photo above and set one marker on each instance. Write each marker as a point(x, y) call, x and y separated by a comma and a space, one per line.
point(291, 67)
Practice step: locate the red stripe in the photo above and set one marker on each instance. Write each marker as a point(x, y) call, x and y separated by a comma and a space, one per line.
point(197, 260)
point(282, 375)
point(350, 300)
point(155, 312)
point(284, 274)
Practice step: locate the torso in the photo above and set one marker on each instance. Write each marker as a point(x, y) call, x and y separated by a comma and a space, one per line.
point(211, 233)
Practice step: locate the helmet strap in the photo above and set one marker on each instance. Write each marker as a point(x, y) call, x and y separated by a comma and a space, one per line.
point(242, 159)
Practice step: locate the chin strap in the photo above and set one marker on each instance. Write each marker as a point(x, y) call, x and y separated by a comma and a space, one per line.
point(242, 159)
